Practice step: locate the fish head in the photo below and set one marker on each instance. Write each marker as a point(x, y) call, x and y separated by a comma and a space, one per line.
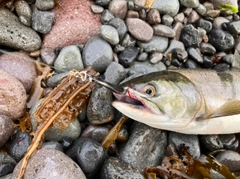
point(159, 99)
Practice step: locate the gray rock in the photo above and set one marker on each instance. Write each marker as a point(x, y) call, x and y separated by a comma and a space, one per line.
point(155, 57)
point(102, 2)
point(95, 132)
point(69, 58)
point(106, 16)
point(42, 21)
point(193, 53)
point(6, 129)
point(51, 164)
point(114, 73)
point(163, 30)
point(97, 9)
point(211, 142)
point(120, 25)
point(114, 168)
point(229, 141)
point(109, 34)
point(190, 36)
point(170, 7)
point(218, 21)
point(45, 5)
point(153, 16)
point(174, 44)
point(167, 20)
point(217, 3)
point(128, 56)
point(54, 80)
point(53, 145)
point(142, 57)
point(146, 67)
point(24, 12)
point(190, 3)
point(16, 35)
point(156, 44)
point(9, 176)
point(234, 27)
point(201, 10)
point(207, 48)
point(7, 164)
point(97, 53)
point(191, 141)
point(147, 142)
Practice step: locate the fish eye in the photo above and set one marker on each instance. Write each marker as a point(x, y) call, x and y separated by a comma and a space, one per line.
point(150, 90)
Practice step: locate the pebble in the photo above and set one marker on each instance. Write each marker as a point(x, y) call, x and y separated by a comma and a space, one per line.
point(77, 14)
point(118, 8)
point(156, 44)
point(88, 154)
point(6, 129)
point(229, 158)
point(24, 12)
point(21, 66)
point(54, 80)
point(155, 57)
point(97, 53)
point(51, 164)
point(191, 64)
point(42, 21)
point(109, 34)
point(102, 2)
point(147, 142)
point(234, 27)
point(229, 141)
point(106, 16)
point(13, 96)
point(115, 168)
point(163, 30)
point(120, 26)
point(194, 54)
point(191, 141)
point(115, 73)
point(97, 9)
point(9, 176)
point(128, 56)
point(142, 57)
point(48, 56)
point(170, 7)
point(201, 10)
point(53, 145)
point(207, 48)
point(128, 40)
point(69, 58)
point(177, 27)
point(13, 33)
point(167, 20)
point(153, 16)
point(211, 142)
point(229, 58)
point(180, 54)
point(7, 164)
point(173, 45)
point(45, 5)
point(189, 36)
point(218, 21)
point(221, 40)
point(205, 24)
point(190, 3)
point(95, 132)
point(139, 29)
point(19, 144)
point(218, 3)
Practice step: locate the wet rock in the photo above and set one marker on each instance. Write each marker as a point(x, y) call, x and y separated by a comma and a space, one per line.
point(191, 64)
point(189, 36)
point(53, 145)
point(7, 164)
point(127, 56)
point(109, 34)
point(118, 8)
point(217, 3)
point(114, 168)
point(163, 30)
point(106, 16)
point(218, 21)
point(153, 16)
point(100, 109)
point(191, 141)
point(139, 29)
point(193, 53)
point(95, 132)
point(142, 57)
point(115, 73)
point(147, 142)
point(221, 40)
point(97, 53)
point(229, 141)
point(120, 26)
point(146, 67)
point(19, 144)
point(180, 54)
point(222, 67)
point(21, 66)
point(13, 96)
point(9, 176)
point(192, 17)
point(48, 56)
point(170, 7)
point(16, 35)
point(205, 24)
point(229, 59)
point(42, 21)
point(6, 129)
point(177, 27)
point(24, 12)
point(69, 58)
point(229, 158)
point(89, 155)
point(156, 44)
point(207, 48)
point(81, 24)
point(211, 142)
point(102, 2)
point(51, 164)
point(234, 27)
point(201, 10)
point(45, 5)
point(54, 80)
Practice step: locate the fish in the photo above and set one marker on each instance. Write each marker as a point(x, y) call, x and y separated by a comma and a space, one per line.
point(189, 101)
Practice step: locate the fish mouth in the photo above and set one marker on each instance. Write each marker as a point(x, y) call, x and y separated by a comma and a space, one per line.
point(134, 99)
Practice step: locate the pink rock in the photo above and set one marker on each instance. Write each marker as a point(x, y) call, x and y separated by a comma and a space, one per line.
point(118, 8)
point(74, 23)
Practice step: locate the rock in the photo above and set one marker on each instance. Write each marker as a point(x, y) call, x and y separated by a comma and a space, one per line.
point(120, 26)
point(156, 57)
point(19, 144)
point(205, 24)
point(51, 164)
point(24, 12)
point(109, 34)
point(7, 164)
point(13, 96)
point(153, 16)
point(21, 66)
point(97, 53)
point(229, 141)
point(118, 8)
point(16, 35)
point(54, 80)
point(95, 132)
point(174, 44)
point(207, 48)
point(115, 73)
point(53, 145)
point(81, 24)
point(190, 3)
point(139, 29)
point(48, 55)
point(128, 56)
point(218, 3)
point(211, 142)
point(69, 58)
point(6, 129)
point(89, 154)
point(146, 67)
point(170, 7)
point(147, 142)
point(218, 21)
point(234, 27)
point(189, 36)
point(114, 168)
point(45, 5)
point(163, 30)
point(42, 21)
point(194, 54)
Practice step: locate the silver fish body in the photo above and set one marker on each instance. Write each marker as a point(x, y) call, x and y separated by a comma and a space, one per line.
point(185, 101)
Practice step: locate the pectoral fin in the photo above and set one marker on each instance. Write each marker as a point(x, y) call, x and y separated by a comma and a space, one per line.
point(228, 109)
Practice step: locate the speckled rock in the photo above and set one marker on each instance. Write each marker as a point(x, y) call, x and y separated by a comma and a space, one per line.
point(7, 164)
point(6, 129)
point(16, 35)
point(51, 164)
point(21, 66)
point(81, 24)
point(170, 7)
point(69, 58)
point(45, 5)
point(97, 53)
point(24, 12)
point(13, 96)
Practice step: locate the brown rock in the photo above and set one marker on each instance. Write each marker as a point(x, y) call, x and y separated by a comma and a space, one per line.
point(74, 23)
point(12, 96)
point(21, 66)
point(118, 8)
point(153, 16)
point(139, 29)
point(6, 129)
